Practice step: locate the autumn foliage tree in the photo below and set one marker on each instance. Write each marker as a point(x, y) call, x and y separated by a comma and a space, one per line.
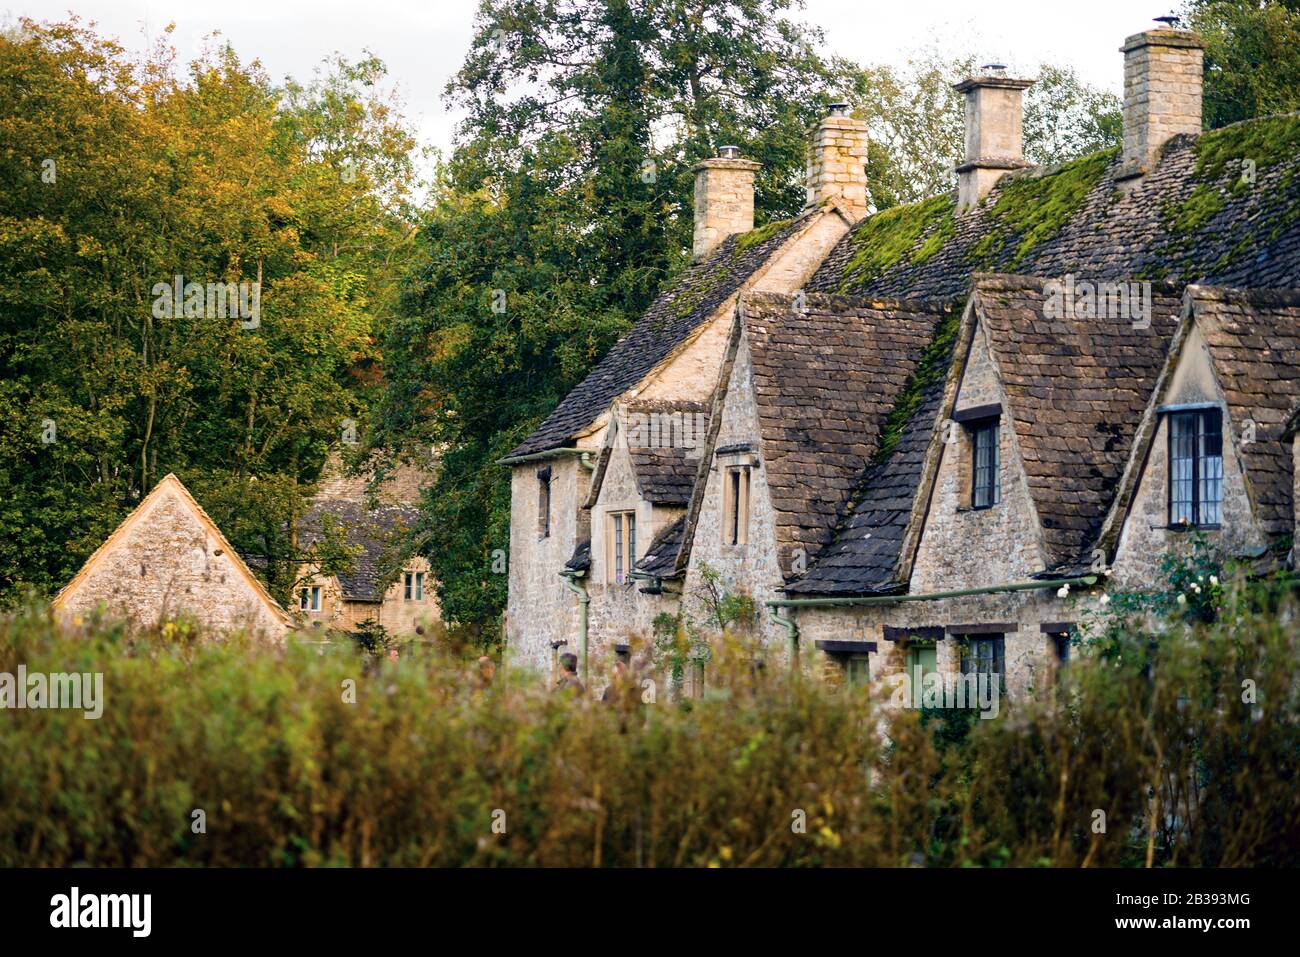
point(119, 172)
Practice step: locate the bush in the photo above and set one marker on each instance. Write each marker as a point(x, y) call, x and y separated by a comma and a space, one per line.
point(418, 765)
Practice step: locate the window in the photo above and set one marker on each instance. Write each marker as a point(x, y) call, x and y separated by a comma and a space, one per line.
point(857, 670)
point(985, 655)
point(620, 546)
point(1196, 467)
point(735, 505)
point(923, 655)
point(986, 489)
point(696, 686)
point(544, 502)
point(413, 586)
point(309, 598)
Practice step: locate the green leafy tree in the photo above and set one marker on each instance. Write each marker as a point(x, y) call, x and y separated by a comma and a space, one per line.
point(120, 174)
point(1252, 57)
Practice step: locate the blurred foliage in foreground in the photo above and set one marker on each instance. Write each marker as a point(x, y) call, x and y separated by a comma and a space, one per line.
point(1159, 733)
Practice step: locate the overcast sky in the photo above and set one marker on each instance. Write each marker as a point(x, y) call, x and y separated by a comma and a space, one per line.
point(423, 41)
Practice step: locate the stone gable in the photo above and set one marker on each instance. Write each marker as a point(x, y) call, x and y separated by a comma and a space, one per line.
point(169, 559)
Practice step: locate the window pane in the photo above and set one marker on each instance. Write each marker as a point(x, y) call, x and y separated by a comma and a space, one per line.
point(987, 478)
point(406, 586)
point(733, 520)
point(1210, 468)
point(1182, 441)
point(631, 540)
point(618, 548)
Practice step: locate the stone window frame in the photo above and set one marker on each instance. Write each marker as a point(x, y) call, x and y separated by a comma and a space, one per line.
point(977, 421)
point(977, 640)
point(544, 502)
point(620, 545)
point(1201, 415)
point(735, 503)
point(413, 585)
point(1060, 634)
point(846, 653)
point(309, 598)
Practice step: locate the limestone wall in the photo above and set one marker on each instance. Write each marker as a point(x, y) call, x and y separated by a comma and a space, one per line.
point(165, 562)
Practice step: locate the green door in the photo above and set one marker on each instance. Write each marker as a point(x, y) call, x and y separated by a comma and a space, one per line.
point(924, 655)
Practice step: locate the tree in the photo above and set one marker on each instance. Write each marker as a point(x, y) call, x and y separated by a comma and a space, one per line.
point(121, 175)
point(565, 207)
point(1252, 57)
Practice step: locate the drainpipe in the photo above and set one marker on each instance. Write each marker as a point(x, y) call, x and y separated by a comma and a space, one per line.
point(792, 636)
point(930, 596)
point(571, 580)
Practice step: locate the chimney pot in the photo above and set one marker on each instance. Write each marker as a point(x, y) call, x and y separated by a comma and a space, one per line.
point(1163, 71)
point(839, 108)
point(729, 152)
point(994, 132)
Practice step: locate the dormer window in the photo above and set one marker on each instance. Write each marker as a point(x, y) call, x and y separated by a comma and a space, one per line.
point(986, 464)
point(1196, 468)
point(735, 505)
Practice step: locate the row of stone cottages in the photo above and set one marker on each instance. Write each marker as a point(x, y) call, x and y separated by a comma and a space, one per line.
point(905, 433)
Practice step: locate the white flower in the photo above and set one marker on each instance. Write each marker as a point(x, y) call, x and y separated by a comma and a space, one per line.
point(1182, 599)
point(1214, 579)
point(1063, 591)
point(1197, 589)
point(1105, 599)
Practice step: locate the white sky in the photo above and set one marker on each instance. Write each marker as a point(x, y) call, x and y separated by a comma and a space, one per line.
point(423, 42)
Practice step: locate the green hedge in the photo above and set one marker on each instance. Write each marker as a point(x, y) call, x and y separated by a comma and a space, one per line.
point(289, 773)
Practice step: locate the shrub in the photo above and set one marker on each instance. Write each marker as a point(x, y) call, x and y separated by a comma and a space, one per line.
point(418, 764)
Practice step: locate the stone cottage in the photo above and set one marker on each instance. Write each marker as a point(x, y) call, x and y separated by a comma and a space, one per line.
point(932, 436)
point(168, 559)
point(383, 584)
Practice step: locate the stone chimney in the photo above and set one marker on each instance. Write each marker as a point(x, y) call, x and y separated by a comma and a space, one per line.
point(1162, 92)
point(724, 199)
point(995, 132)
point(837, 162)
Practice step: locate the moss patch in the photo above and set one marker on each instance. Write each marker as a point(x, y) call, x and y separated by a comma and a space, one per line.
point(929, 372)
point(1029, 210)
point(688, 300)
point(915, 232)
point(1221, 157)
point(747, 241)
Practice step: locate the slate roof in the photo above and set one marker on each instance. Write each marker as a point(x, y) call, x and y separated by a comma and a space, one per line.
point(1253, 337)
point(665, 476)
point(660, 558)
point(825, 379)
point(867, 547)
point(689, 301)
point(581, 560)
point(1077, 387)
point(1190, 220)
point(376, 532)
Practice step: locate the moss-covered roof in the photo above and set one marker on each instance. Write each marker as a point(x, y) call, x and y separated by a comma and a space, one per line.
point(1220, 208)
point(687, 302)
